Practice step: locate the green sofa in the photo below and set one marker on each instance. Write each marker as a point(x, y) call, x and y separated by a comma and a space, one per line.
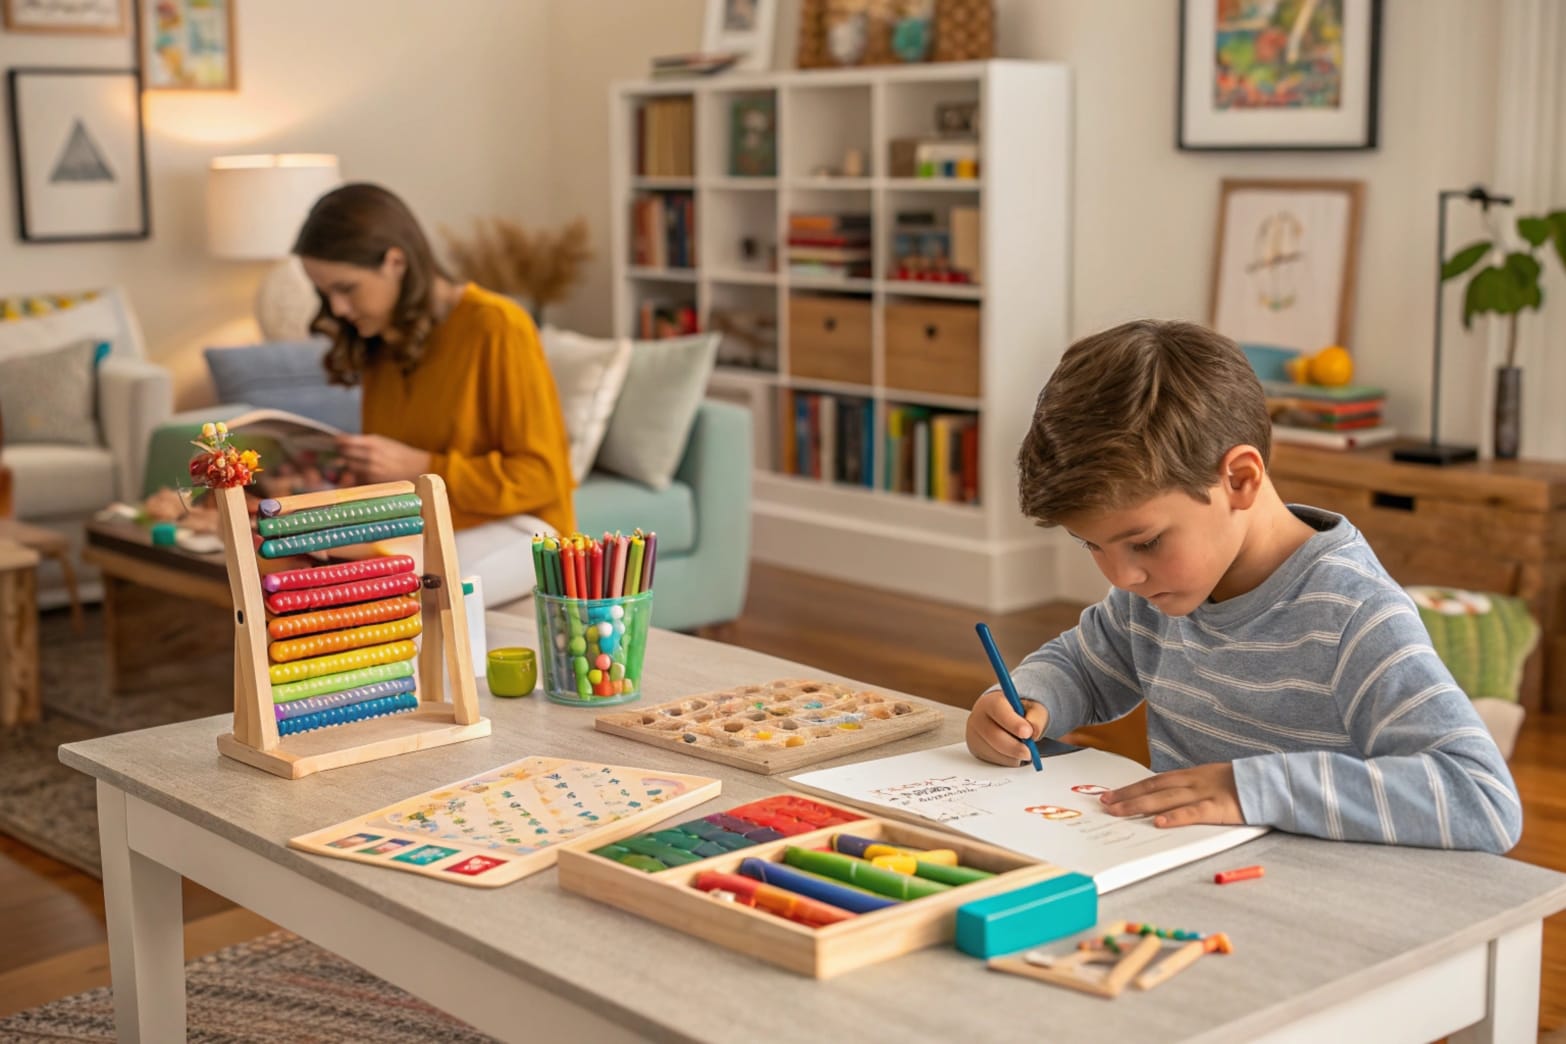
point(702, 519)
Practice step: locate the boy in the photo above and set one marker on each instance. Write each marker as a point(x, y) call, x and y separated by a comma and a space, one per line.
point(1288, 679)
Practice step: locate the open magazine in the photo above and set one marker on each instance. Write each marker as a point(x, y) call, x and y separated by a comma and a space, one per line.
point(1053, 815)
point(298, 454)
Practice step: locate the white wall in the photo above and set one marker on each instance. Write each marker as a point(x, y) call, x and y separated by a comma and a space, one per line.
point(440, 100)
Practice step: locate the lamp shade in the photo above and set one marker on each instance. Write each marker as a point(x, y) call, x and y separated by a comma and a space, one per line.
point(255, 204)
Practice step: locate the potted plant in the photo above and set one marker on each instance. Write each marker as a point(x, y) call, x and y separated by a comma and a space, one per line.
point(1506, 288)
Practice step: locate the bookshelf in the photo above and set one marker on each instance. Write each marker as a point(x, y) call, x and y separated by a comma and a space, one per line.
point(883, 350)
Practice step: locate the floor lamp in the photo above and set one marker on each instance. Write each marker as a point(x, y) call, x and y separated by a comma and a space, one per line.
point(255, 205)
point(1435, 452)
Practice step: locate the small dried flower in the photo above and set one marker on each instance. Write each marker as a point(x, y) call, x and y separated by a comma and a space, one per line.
point(220, 464)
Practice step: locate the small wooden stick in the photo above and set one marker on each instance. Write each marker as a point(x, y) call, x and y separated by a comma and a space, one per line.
point(1182, 959)
point(1132, 963)
point(1069, 977)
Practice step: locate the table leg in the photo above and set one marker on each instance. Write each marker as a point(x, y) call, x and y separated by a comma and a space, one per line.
point(146, 931)
point(68, 572)
point(1513, 991)
point(19, 697)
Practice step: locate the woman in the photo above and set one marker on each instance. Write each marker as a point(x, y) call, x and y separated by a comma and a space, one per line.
point(454, 378)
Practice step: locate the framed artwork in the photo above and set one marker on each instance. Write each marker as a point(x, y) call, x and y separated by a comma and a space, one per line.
point(742, 27)
point(80, 160)
point(66, 16)
point(1285, 263)
point(188, 45)
point(1270, 75)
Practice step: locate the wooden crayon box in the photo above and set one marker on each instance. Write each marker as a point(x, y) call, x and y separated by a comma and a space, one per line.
point(670, 898)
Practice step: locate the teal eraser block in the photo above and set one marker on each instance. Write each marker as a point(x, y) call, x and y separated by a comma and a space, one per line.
point(1031, 915)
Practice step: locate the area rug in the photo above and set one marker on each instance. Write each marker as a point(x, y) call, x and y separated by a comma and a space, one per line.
point(53, 808)
point(273, 989)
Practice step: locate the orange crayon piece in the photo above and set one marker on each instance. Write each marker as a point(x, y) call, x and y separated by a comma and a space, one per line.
point(1244, 873)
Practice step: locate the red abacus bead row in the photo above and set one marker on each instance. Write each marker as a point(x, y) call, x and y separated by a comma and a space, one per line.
point(342, 641)
point(339, 619)
point(342, 573)
point(343, 594)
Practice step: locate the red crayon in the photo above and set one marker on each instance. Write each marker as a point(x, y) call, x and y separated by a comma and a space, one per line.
point(1244, 873)
point(595, 581)
point(781, 901)
point(582, 590)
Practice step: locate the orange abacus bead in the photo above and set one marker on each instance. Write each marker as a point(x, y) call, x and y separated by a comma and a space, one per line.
point(347, 616)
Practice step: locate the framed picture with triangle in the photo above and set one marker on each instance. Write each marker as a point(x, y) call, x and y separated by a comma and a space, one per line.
point(80, 156)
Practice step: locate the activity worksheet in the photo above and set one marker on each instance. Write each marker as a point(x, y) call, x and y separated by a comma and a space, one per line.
point(1053, 815)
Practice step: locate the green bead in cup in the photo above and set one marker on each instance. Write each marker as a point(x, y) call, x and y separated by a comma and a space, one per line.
point(511, 671)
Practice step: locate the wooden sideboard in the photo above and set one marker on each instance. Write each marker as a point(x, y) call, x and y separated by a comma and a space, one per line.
point(1495, 526)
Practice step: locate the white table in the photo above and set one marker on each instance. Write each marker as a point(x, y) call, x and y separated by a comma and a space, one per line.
point(1350, 942)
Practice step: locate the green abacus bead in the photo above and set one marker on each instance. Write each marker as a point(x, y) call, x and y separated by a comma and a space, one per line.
point(579, 665)
point(583, 688)
point(617, 672)
point(578, 645)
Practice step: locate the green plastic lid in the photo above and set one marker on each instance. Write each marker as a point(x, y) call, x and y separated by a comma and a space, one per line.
point(467, 587)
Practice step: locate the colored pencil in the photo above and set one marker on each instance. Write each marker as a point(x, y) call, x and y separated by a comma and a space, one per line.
point(649, 560)
point(1004, 677)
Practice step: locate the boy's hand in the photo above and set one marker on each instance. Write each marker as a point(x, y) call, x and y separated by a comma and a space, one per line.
point(1204, 794)
point(994, 729)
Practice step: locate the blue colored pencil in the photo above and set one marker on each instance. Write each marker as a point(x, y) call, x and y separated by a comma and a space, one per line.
point(1004, 677)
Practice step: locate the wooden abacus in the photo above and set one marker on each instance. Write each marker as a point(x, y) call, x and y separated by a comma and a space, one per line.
point(336, 684)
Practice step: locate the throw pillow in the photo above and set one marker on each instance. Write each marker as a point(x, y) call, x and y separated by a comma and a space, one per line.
point(663, 389)
point(49, 396)
point(589, 373)
point(1484, 639)
point(283, 375)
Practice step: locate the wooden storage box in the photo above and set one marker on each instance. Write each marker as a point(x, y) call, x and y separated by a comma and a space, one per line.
point(829, 338)
point(669, 898)
point(933, 347)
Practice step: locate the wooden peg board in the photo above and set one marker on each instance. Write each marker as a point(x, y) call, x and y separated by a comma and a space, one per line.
point(777, 727)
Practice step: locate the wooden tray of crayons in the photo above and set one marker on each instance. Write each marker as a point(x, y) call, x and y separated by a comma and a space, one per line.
point(777, 727)
point(751, 897)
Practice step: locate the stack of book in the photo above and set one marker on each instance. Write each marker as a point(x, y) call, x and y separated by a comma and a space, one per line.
point(1347, 417)
point(675, 66)
point(833, 247)
point(663, 230)
point(932, 454)
point(827, 437)
point(665, 137)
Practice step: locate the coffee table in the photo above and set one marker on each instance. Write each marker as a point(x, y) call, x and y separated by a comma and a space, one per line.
point(157, 601)
point(1340, 942)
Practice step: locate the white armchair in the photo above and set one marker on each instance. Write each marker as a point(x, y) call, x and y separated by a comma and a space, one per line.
point(61, 486)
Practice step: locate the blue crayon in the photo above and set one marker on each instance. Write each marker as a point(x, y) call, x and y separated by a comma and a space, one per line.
point(801, 883)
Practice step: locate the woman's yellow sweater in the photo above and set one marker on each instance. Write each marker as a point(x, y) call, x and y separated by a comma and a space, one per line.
point(483, 403)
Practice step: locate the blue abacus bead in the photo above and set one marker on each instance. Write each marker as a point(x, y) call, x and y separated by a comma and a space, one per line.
point(609, 643)
point(597, 613)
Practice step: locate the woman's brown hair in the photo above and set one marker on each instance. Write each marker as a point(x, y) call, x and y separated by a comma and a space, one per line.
point(1134, 412)
point(356, 225)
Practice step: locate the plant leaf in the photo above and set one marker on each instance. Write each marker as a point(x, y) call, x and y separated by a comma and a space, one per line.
point(1464, 259)
point(1557, 221)
point(1494, 290)
point(1535, 230)
point(1524, 268)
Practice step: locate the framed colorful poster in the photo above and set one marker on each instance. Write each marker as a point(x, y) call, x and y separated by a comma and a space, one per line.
point(188, 45)
point(80, 162)
point(1271, 75)
point(66, 16)
point(1285, 268)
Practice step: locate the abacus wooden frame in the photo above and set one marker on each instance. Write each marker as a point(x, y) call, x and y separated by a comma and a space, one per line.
point(444, 649)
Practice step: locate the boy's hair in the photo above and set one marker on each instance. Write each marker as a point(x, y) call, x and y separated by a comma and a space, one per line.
point(1135, 412)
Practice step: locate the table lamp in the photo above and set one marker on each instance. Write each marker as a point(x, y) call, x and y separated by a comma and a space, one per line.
point(255, 206)
point(1435, 452)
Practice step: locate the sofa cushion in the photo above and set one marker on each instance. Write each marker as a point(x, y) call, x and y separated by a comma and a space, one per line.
point(589, 373)
point(105, 318)
point(283, 375)
point(51, 481)
point(50, 396)
point(608, 502)
point(652, 422)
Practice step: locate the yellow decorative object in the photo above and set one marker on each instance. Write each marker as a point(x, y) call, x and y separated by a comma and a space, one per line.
point(1333, 366)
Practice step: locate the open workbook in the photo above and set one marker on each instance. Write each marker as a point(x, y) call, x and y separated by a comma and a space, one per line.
point(1053, 815)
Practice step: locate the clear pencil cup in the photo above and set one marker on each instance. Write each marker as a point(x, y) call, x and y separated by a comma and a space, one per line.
point(591, 650)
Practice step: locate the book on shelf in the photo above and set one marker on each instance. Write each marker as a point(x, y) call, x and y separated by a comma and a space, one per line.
point(932, 454)
point(753, 137)
point(663, 230)
point(823, 435)
point(674, 66)
point(1344, 393)
point(665, 136)
point(1052, 815)
point(1359, 438)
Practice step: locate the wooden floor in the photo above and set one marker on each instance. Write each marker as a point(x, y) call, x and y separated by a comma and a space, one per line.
point(53, 915)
